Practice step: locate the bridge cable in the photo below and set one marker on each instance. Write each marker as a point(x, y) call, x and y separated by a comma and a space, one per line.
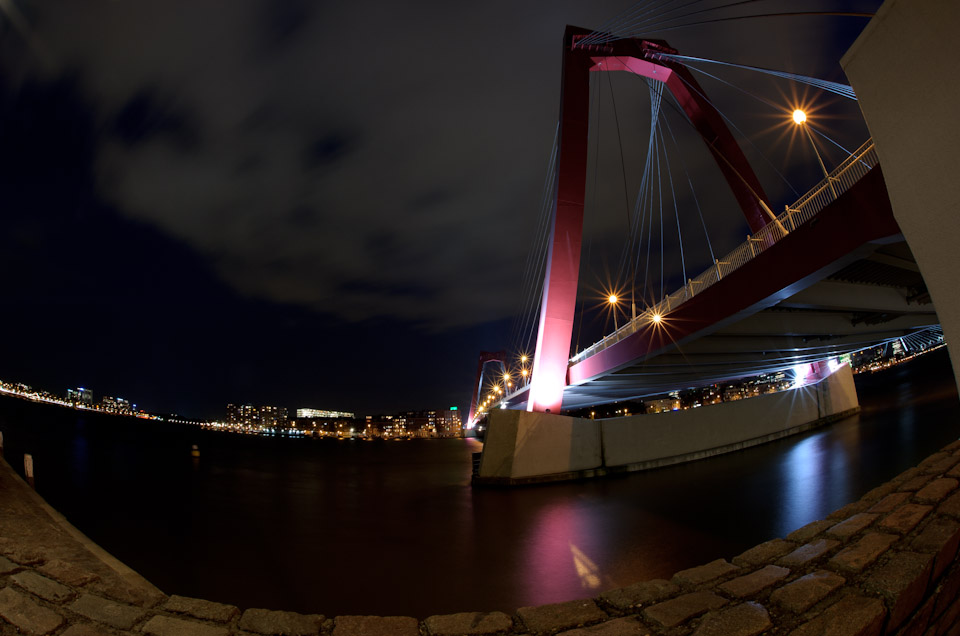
point(623, 171)
point(626, 18)
point(762, 100)
point(639, 217)
point(660, 23)
point(693, 192)
point(676, 210)
point(844, 90)
point(532, 278)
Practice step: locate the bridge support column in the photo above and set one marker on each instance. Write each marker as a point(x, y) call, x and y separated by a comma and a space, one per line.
point(910, 106)
point(559, 301)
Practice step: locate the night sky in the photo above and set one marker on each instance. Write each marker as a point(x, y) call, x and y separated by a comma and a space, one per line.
point(322, 204)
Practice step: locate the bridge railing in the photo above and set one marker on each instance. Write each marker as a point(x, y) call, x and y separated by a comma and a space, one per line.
point(851, 170)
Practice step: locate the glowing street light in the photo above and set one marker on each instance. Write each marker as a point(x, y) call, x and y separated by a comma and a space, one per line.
point(612, 299)
point(800, 119)
point(656, 318)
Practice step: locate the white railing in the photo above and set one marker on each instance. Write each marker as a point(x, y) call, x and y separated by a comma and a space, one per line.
point(806, 207)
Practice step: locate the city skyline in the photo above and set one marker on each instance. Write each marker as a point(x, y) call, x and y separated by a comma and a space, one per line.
point(202, 205)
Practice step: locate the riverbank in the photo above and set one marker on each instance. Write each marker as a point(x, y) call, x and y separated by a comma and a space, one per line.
point(883, 563)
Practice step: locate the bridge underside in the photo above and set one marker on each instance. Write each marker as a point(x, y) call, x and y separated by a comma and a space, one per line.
point(839, 284)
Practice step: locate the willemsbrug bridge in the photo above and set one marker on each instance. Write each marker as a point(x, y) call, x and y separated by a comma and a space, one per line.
point(829, 275)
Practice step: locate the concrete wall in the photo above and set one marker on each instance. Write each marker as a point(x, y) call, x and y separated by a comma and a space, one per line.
point(523, 447)
point(527, 445)
point(904, 69)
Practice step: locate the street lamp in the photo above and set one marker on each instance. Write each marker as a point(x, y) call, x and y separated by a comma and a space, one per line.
point(612, 299)
point(800, 119)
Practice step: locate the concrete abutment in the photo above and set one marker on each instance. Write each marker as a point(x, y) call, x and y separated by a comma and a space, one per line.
point(522, 447)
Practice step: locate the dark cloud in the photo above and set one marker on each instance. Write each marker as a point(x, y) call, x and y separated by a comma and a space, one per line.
point(327, 149)
point(304, 178)
point(146, 116)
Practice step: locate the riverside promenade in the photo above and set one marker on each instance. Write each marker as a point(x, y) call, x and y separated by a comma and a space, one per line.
point(885, 564)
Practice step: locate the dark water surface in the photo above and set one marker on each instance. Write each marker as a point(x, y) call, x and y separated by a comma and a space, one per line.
point(395, 528)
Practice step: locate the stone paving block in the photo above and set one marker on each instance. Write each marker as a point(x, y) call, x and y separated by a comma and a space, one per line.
point(916, 483)
point(906, 475)
point(948, 590)
point(548, 618)
point(747, 619)
point(630, 626)
point(24, 614)
point(129, 594)
point(880, 492)
point(7, 566)
point(375, 626)
point(917, 624)
point(932, 459)
point(890, 502)
point(809, 552)
point(677, 610)
point(764, 553)
point(101, 610)
point(750, 584)
point(640, 594)
point(468, 624)
point(950, 617)
point(951, 447)
point(43, 587)
point(852, 525)
point(936, 490)
point(954, 472)
point(901, 581)
point(693, 577)
point(264, 621)
point(87, 629)
point(199, 608)
point(941, 537)
point(951, 506)
point(850, 509)
point(850, 616)
point(67, 573)
point(862, 553)
point(807, 591)
point(905, 518)
point(809, 531)
point(944, 465)
point(167, 626)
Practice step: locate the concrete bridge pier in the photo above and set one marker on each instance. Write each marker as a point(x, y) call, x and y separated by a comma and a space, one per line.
point(523, 447)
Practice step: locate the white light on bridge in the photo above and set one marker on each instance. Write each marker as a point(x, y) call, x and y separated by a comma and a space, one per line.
point(799, 116)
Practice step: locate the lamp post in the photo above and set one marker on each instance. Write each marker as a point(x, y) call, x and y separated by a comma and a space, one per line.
point(612, 299)
point(800, 119)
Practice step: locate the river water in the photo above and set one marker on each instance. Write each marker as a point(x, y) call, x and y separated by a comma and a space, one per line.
point(394, 528)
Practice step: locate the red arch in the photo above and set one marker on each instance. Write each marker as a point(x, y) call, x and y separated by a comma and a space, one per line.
point(563, 258)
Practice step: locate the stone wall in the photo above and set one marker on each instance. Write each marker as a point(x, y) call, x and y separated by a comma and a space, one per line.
point(883, 565)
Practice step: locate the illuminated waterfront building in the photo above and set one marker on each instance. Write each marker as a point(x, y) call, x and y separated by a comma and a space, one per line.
point(115, 405)
point(80, 396)
point(321, 414)
point(256, 417)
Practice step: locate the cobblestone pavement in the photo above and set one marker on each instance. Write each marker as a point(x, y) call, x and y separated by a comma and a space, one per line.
point(885, 564)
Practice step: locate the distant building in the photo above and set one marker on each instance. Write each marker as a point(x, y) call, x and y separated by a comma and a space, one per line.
point(80, 396)
point(318, 414)
point(433, 423)
point(256, 417)
point(664, 405)
point(115, 405)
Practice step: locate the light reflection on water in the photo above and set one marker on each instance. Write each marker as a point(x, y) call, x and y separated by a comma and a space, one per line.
point(326, 527)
